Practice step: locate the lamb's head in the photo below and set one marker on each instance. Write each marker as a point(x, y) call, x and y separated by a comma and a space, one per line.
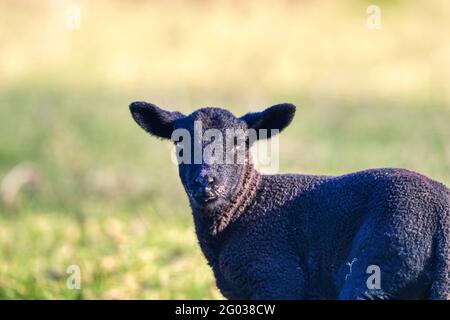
point(212, 145)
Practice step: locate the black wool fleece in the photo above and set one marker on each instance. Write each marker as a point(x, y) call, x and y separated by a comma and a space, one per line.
point(292, 236)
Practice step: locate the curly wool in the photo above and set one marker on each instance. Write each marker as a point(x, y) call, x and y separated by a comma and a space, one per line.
point(238, 204)
point(313, 237)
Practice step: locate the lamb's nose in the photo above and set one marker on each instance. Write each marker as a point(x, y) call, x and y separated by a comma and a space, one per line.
point(206, 181)
point(204, 190)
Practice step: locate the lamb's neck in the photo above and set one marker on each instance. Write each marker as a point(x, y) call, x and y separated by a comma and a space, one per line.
point(217, 221)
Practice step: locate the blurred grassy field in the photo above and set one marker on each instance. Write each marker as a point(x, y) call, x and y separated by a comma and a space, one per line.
point(81, 184)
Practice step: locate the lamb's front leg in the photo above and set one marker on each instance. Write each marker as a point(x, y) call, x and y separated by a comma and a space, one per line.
point(226, 288)
point(279, 282)
point(271, 279)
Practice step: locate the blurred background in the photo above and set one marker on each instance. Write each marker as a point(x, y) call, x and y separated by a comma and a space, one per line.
point(81, 184)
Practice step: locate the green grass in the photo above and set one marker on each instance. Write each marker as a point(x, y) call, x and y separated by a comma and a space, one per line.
point(120, 257)
point(106, 196)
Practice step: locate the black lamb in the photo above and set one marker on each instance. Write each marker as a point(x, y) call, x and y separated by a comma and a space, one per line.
point(294, 236)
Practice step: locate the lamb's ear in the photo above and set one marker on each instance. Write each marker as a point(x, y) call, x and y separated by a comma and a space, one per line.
point(153, 119)
point(276, 117)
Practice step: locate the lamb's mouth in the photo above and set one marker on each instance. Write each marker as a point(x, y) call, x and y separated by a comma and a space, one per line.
point(205, 198)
